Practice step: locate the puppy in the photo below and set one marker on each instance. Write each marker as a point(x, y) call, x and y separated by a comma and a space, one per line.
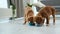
point(28, 13)
point(45, 13)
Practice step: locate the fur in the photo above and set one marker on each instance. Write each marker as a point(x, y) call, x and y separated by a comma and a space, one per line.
point(45, 13)
point(28, 13)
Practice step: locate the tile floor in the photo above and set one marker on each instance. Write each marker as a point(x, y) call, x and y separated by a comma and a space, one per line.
point(17, 27)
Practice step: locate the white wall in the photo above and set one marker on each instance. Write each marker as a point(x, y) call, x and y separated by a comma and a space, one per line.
point(3, 4)
point(5, 13)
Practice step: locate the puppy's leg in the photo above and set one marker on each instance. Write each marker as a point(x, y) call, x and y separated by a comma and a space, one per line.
point(25, 21)
point(54, 19)
point(43, 21)
point(47, 21)
point(53, 14)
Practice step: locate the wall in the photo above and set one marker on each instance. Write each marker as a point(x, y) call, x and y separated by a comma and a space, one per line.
point(3, 4)
point(5, 13)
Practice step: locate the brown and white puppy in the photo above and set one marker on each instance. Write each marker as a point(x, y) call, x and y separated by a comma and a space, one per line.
point(45, 13)
point(28, 13)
